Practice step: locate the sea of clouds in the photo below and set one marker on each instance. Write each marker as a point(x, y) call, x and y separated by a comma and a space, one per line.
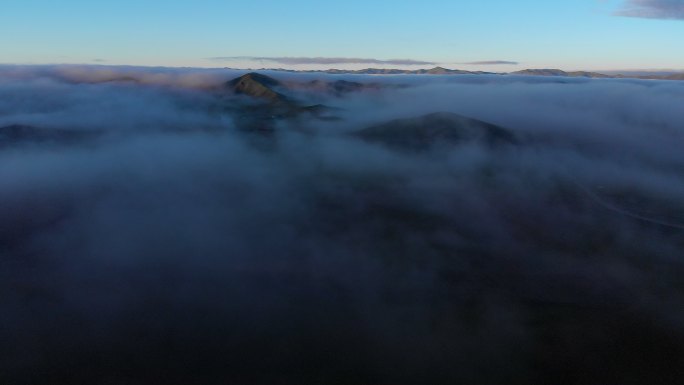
point(171, 247)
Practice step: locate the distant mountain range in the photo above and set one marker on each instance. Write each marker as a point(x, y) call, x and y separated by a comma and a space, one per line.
point(586, 74)
point(526, 72)
point(556, 72)
point(389, 71)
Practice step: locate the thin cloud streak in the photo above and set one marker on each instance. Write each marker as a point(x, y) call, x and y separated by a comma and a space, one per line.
point(653, 9)
point(322, 60)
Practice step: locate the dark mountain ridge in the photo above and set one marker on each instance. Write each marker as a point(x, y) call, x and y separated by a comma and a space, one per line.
point(557, 72)
point(427, 131)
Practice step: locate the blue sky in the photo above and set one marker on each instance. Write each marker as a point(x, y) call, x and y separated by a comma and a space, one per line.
point(566, 34)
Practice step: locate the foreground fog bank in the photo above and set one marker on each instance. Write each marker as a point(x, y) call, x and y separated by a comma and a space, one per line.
point(148, 235)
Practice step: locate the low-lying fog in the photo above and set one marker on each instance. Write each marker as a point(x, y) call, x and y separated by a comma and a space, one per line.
point(164, 244)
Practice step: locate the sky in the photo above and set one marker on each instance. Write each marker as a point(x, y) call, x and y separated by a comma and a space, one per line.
point(494, 35)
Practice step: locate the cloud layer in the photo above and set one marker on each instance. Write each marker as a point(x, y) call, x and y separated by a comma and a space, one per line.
point(653, 9)
point(323, 60)
point(173, 248)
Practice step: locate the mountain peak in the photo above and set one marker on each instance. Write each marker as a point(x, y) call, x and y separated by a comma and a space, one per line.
point(257, 77)
point(257, 86)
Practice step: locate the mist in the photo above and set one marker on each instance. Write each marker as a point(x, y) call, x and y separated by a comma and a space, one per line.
point(170, 246)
